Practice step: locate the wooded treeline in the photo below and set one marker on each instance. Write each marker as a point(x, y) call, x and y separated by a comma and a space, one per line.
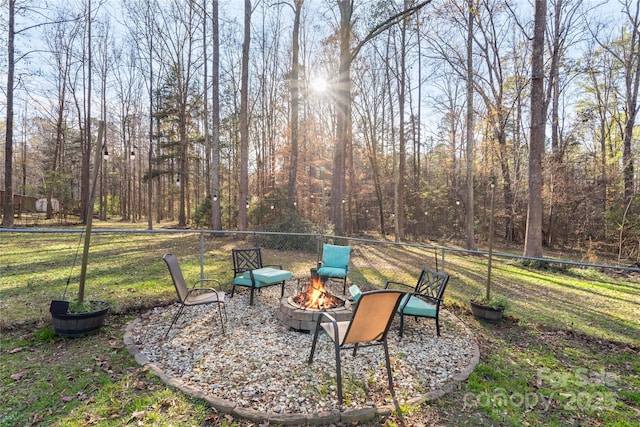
point(349, 117)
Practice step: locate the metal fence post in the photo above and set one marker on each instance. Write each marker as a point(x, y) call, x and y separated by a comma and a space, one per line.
point(201, 256)
point(319, 242)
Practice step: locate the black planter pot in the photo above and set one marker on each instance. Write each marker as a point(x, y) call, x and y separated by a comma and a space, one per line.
point(75, 325)
point(486, 313)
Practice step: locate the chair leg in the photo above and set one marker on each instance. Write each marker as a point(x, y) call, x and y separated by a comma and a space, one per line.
point(282, 290)
point(437, 326)
point(388, 362)
point(338, 370)
point(401, 324)
point(313, 343)
point(251, 296)
point(222, 321)
point(175, 318)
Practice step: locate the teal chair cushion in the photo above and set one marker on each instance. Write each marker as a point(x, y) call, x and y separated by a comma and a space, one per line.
point(241, 281)
point(355, 292)
point(335, 256)
point(267, 275)
point(332, 272)
point(416, 307)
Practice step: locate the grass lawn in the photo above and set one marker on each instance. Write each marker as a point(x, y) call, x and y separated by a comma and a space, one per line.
point(567, 354)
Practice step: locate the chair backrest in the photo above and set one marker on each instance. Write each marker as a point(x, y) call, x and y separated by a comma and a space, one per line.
point(246, 259)
point(432, 283)
point(372, 316)
point(176, 275)
point(335, 256)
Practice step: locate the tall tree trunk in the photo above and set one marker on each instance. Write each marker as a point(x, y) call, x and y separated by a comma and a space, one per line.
point(533, 240)
point(88, 206)
point(151, 114)
point(207, 134)
point(295, 104)
point(216, 218)
point(244, 121)
point(553, 96)
point(7, 219)
point(343, 120)
point(399, 199)
point(632, 81)
point(55, 161)
point(471, 239)
point(391, 132)
point(126, 203)
point(183, 152)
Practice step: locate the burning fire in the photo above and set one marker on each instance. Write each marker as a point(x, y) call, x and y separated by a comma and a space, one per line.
point(317, 297)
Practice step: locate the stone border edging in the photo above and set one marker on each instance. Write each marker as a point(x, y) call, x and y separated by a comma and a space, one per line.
point(356, 415)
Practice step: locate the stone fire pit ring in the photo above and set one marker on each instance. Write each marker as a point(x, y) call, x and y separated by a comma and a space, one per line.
point(304, 319)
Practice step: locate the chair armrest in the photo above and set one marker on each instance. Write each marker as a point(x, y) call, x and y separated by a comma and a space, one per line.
point(197, 288)
point(273, 265)
point(430, 299)
point(391, 282)
point(200, 281)
point(334, 324)
point(328, 316)
point(208, 290)
point(355, 292)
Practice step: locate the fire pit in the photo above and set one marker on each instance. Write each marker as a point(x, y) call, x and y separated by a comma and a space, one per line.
point(301, 311)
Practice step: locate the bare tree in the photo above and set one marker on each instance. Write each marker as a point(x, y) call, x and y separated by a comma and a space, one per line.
point(141, 20)
point(563, 32)
point(216, 220)
point(128, 88)
point(533, 240)
point(295, 102)
point(60, 42)
point(244, 121)
point(631, 62)
point(7, 218)
point(369, 116)
point(400, 181)
point(104, 63)
point(599, 85)
point(471, 241)
point(344, 98)
point(178, 52)
point(205, 96)
point(86, 146)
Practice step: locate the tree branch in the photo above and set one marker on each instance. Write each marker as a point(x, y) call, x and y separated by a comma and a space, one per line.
point(385, 25)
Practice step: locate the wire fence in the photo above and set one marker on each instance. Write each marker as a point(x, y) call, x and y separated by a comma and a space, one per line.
point(311, 244)
point(38, 265)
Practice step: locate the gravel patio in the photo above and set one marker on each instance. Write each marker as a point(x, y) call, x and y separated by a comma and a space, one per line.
point(258, 370)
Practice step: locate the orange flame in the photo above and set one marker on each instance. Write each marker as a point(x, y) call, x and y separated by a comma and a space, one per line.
point(317, 297)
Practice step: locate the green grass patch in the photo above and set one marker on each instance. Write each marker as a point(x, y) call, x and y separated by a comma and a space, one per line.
point(88, 381)
point(567, 354)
